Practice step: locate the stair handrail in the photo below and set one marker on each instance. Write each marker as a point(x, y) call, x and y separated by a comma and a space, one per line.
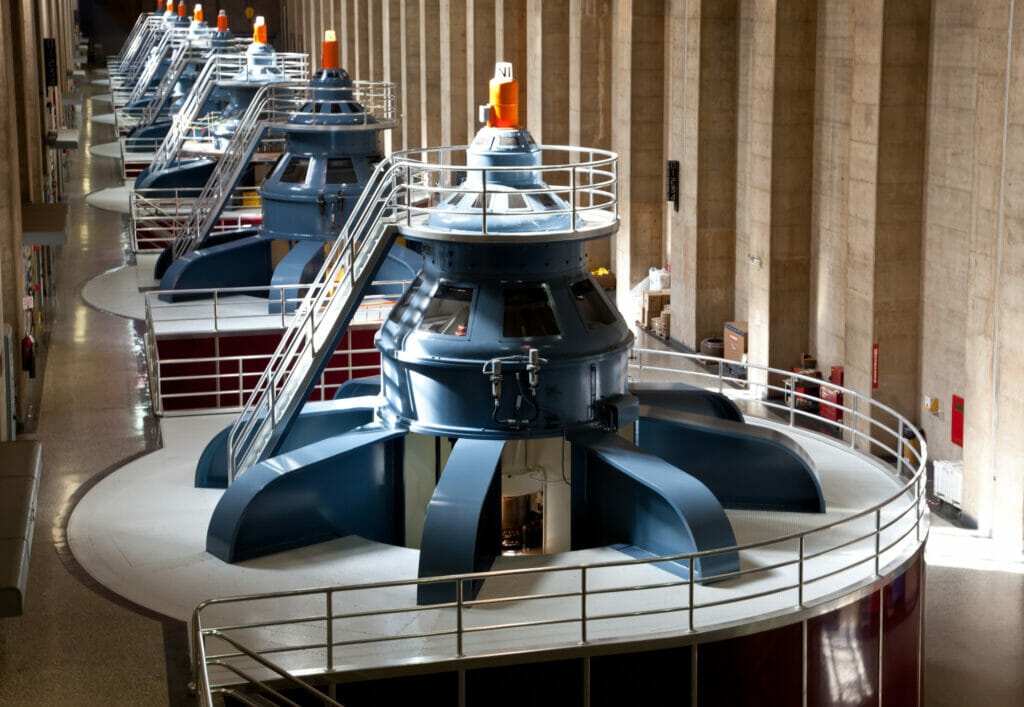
point(133, 37)
point(141, 87)
point(210, 201)
point(182, 54)
point(137, 60)
point(182, 125)
point(324, 297)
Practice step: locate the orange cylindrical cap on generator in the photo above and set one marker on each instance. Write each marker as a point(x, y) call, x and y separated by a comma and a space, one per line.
point(504, 98)
point(259, 31)
point(329, 51)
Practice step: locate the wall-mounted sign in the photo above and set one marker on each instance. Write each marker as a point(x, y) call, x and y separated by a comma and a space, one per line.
point(956, 431)
point(249, 12)
point(874, 365)
point(50, 61)
point(672, 183)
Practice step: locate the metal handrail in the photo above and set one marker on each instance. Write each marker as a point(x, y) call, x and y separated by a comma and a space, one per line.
point(300, 684)
point(129, 70)
point(167, 42)
point(157, 215)
point(343, 265)
point(395, 188)
point(219, 70)
point(914, 516)
point(184, 53)
point(372, 313)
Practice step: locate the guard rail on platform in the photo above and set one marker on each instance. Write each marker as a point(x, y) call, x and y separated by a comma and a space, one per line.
point(195, 384)
point(327, 631)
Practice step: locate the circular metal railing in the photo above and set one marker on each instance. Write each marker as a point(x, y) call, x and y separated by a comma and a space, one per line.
point(580, 183)
point(801, 575)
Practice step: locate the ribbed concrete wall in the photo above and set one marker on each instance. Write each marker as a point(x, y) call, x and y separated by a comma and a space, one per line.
point(848, 174)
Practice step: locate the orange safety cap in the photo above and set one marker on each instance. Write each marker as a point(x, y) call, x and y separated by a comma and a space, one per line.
point(222, 22)
point(329, 51)
point(259, 31)
point(504, 98)
point(182, 10)
point(197, 14)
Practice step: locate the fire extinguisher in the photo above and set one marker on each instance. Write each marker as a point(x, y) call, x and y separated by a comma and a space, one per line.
point(28, 355)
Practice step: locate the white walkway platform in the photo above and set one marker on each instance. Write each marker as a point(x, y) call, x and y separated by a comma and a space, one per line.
point(107, 149)
point(141, 533)
point(116, 199)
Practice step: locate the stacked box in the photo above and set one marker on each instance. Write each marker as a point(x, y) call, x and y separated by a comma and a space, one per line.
point(654, 302)
point(661, 325)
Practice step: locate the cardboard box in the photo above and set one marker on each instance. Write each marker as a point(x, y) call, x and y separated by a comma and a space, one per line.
point(654, 302)
point(734, 340)
point(606, 282)
point(808, 361)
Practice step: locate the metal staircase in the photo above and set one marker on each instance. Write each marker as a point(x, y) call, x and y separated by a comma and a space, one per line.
point(222, 66)
point(182, 54)
point(321, 319)
point(131, 43)
point(219, 66)
point(225, 176)
point(156, 58)
point(134, 59)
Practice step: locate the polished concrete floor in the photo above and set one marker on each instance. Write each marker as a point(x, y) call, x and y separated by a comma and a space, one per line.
point(79, 644)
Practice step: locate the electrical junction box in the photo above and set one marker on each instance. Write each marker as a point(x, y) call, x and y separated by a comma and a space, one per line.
point(949, 481)
point(930, 403)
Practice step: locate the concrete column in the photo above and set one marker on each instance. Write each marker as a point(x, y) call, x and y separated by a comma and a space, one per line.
point(1008, 356)
point(430, 74)
point(900, 202)
point(12, 273)
point(312, 35)
point(590, 89)
point(776, 136)
point(29, 85)
point(480, 58)
point(637, 135)
point(702, 91)
point(375, 41)
point(510, 45)
point(409, 84)
point(829, 207)
point(885, 202)
point(453, 71)
point(547, 71)
point(345, 54)
point(360, 39)
point(391, 50)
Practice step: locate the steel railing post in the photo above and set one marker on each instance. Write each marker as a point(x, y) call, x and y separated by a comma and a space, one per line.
point(792, 400)
point(853, 422)
point(800, 574)
point(330, 631)
point(458, 618)
point(583, 605)
point(878, 538)
point(692, 565)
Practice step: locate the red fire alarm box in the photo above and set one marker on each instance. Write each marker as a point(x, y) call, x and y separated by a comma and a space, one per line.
point(956, 432)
